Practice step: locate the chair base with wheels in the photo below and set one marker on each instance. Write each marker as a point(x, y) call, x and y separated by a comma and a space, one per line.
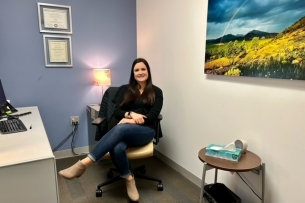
point(138, 172)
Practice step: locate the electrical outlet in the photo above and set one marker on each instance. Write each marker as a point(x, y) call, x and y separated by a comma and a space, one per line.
point(74, 120)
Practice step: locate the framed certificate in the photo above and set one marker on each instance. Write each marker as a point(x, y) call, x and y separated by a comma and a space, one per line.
point(54, 18)
point(57, 51)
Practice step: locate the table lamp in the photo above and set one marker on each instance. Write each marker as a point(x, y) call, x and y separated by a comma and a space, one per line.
point(102, 78)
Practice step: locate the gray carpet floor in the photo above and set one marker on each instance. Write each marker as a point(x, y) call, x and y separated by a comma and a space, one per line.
point(82, 190)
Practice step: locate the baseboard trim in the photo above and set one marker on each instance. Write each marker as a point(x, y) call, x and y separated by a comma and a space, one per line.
point(178, 168)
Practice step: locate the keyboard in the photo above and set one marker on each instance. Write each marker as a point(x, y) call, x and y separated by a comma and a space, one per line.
point(12, 126)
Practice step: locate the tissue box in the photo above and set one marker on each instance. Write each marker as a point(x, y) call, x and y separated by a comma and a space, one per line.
point(223, 154)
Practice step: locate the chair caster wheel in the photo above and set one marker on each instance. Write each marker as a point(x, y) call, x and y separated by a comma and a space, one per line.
point(110, 174)
point(98, 193)
point(160, 187)
point(143, 171)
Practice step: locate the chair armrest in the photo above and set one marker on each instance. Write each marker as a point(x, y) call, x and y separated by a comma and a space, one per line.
point(158, 134)
point(98, 121)
point(160, 117)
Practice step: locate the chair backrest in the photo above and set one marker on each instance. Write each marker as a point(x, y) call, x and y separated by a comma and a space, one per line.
point(106, 111)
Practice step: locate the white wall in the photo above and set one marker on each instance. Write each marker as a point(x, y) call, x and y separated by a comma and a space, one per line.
point(201, 109)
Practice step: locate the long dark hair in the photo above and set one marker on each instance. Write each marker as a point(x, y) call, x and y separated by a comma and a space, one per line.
point(133, 92)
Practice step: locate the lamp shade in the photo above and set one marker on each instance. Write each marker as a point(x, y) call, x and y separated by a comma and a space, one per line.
point(102, 77)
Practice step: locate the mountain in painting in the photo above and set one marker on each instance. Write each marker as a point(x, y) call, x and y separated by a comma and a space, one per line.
point(249, 36)
point(260, 34)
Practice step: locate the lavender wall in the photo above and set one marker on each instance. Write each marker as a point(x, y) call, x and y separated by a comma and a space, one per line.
point(104, 36)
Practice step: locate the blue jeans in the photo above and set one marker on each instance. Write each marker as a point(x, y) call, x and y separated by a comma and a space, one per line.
point(117, 140)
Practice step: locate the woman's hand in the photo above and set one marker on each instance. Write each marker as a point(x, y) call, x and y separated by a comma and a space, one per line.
point(126, 120)
point(138, 118)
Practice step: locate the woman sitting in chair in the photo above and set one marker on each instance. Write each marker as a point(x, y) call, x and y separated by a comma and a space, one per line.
point(138, 105)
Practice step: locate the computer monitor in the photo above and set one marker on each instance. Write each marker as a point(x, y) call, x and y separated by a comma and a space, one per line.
point(2, 95)
point(5, 107)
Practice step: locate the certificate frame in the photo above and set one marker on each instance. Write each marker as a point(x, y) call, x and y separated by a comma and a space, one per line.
point(54, 18)
point(57, 51)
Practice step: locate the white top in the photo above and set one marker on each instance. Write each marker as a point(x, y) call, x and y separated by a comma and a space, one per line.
point(31, 145)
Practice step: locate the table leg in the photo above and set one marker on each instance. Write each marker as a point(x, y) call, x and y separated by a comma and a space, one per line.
point(205, 168)
point(202, 182)
point(215, 177)
point(263, 182)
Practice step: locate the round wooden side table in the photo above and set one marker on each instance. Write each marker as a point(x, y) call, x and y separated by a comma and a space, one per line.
point(247, 162)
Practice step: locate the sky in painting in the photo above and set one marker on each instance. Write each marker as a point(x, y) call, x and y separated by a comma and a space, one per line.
point(242, 16)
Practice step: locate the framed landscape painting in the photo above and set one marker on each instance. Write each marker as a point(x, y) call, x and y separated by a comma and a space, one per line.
point(256, 38)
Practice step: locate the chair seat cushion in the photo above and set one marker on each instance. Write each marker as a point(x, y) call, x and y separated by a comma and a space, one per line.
point(138, 152)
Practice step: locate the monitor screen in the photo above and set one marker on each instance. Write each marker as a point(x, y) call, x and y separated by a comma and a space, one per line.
point(2, 95)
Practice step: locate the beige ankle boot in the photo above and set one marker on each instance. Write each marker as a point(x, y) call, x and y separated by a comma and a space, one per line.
point(74, 171)
point(132, 189)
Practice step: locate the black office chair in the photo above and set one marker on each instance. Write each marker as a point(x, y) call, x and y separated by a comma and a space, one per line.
point(104, 123)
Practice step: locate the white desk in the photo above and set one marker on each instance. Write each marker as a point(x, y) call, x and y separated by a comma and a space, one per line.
point(27, 164)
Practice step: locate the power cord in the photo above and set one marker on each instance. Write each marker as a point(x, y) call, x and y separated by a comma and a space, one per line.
point(73, 139)
point(62, 142)
point(75, 124)
point(73, 133)
point(249, 186)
